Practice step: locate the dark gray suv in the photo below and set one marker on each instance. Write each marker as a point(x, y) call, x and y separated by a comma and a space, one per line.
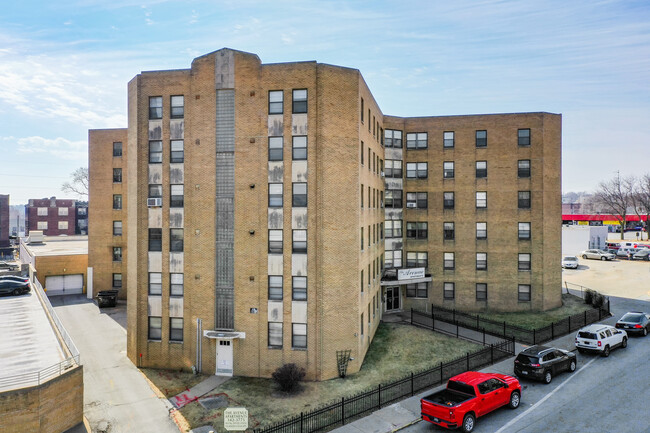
point(542, 363)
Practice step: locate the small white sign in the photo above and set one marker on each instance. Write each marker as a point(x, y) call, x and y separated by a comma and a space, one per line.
point(410, 274)
point(235, 419)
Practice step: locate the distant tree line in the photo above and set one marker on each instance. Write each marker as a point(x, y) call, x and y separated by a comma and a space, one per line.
point(623, 196)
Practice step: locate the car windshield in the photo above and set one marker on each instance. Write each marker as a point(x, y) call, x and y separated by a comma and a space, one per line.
point(603, 251)
point(525, 359)
point(570, 259)
point(587, 335)
point(634, 318)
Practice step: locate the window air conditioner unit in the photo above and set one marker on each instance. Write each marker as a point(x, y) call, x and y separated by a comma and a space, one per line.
point(381, 173)
point(154, 202)
point(411, 205)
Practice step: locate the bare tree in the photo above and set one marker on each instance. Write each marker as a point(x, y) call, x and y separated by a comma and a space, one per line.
point(615, 196)
point(641, 201)
point(79, 183)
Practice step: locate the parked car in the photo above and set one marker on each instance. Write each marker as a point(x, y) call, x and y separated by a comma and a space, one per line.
point(542, 363)
point(642, 254)
point(14, 278)
point(570, 262)
point(8, 266)
point(635, 322)
point(626, 252)
point(597, 254)
point(612, 246)
point(11, 287)
point(600, 338)
point(468, 396)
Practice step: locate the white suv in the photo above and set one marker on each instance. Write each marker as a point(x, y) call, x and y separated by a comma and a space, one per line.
point(600, 338)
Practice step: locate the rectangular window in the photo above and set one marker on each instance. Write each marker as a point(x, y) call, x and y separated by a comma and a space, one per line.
point(448, 139)
point(362, 110)
point(299, 289)
point(275, 148)
point(449, 291)
point(416, 259)
point(63, 211)
point(41, 225)
point(448, 231)
point(523, 168)
point(362, 281)
point(299, 101)
point(175, 329)
point(448, 170)
point(417, 290)
point(416, 140)
point(393, 198)
point(299, 241)
point(393, 229)
point(524, 262)
point(176, 285)
point(481, 230)
point(176, 198)
point(448, 200)
point(523, 137)
point(275, 242)
point(393, 259)
point(176, 240)
point(117, 201)
point(117, 281)
point(422, 200)
point(155, 283)
point(155, 239)
point(275, 194)
point(299, 195)
point(276, 102)
point(155, 328)
point(117, 148)
point(523, 292)
point(524, 200)
point(275, 287)
point(393, 138)
point(177, 103)
point(481, 261)
point(155, 107)
point(481, 138)
point(393, 168)
point(416, 170)
point(177, 153)
point(275, 334)
point(524, 230)
point(362, 150)
point(155, 191)
point(117, 175)
point(449, 261)
point(362, 243)
point(155, 152)
point(361, 195)
point(117, 254)
point(481, 291)
point(481, 199)
point(299, 147)
point(362, 325)
point(481, 169)
point(41, 211)
point(117, 228)
point(299, 335)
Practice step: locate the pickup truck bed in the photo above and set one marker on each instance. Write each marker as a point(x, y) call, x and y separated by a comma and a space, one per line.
point(447, 397)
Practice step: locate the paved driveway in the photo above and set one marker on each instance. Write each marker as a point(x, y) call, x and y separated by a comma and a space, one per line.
point(117, 399)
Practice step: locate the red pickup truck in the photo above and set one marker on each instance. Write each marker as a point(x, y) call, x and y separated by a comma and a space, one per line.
point(468, 396)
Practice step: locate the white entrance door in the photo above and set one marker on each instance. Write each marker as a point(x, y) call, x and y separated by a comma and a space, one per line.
point(224, 358)
point(64, 284)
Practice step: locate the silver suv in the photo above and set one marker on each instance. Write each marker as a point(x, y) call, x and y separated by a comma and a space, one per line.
point(600, 338)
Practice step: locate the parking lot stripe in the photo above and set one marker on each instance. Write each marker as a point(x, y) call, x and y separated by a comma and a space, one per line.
point(523, 414)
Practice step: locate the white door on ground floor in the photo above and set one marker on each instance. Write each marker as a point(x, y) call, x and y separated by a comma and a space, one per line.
point(224, 358)
point(64, 284)
point(392, 298)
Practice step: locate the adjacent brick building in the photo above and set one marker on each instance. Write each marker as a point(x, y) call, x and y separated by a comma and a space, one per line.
point(51, 215)
point(274, 214)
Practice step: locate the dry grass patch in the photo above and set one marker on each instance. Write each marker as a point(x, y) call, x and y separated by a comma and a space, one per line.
point(172, 382)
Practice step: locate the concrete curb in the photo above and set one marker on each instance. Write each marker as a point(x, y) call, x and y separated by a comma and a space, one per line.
point(415, 421)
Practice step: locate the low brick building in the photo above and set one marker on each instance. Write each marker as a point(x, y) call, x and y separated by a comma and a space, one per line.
point(51, 215)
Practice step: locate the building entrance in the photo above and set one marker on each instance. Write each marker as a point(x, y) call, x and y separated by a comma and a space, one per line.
point(392, 298)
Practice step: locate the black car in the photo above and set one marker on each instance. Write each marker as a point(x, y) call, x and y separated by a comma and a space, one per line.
point(12, 287)
point(635, 322)
point(542, 363)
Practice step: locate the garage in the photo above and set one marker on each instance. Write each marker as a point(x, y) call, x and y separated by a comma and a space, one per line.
point(64, 284)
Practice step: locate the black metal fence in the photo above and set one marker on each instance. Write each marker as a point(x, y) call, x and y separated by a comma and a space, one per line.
point(350, 408)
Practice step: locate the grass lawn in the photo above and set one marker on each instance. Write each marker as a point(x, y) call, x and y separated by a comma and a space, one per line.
point(396, 351)
point(172, 382)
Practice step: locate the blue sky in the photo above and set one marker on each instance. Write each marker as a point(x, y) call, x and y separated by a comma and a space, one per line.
point(64, 66)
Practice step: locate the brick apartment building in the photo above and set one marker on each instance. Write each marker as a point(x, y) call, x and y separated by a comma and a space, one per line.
point(51, 215)
point(4, 220)
point(274, 213)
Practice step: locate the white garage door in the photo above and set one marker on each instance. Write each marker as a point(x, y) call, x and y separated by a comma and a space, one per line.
point(64, 284)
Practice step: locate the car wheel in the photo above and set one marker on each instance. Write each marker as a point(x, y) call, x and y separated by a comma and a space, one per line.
point(645, 331)
point(548, 377)
point(16, 292)
point(624, 343)
point(606, 351)
point(515, 399)
point(468, 423)
point(603, 258)
point(584, 256)
point(572, 366)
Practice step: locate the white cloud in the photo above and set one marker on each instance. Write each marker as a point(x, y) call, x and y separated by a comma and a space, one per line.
point(58, 147)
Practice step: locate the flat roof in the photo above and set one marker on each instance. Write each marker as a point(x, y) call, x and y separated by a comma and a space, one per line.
point(60, 246)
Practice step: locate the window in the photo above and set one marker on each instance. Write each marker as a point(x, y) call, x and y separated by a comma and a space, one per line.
point(155, 151)
point(393, 259)
point(275, 242)
point(299, 241)
point(362, 323)
point(393, 229)
point(175, 329)
point(41, 225)
point(117, 281)
point(448, 231)
point(448, 139)
point(177, 154)
point(117, 254)
point(449, 261)
point(299, 292)
point(155, 191)
point(362, 149)
point(523, 168)
point(416, 200)
point(117, 228)
point(275, 287)
point(155, 328)
point(176, 240)
point(299, 195)
point(276, 102)
point(275, 194)
point(155, 107)
point(481, 291)
point(299, 335)
point(416, 140)
point(393, 168)
point(275, 148)
point(176, 198)
point(523, 137)
point(448, 170)
point(524, 230)
point(117, 148)
point(416, 170)
point(275, 334)
point(300, 147)
point(481, 199)
point(300, 101)
point(523, 292)
point(524, 200)
point(393, 138)
point(63, 225)
point(481, 261)
point(362, 243)
point(393, 198)
point(155, 239)
point(524, 262)
point(63, 211)
point(117, 201)
point(481, 230)
point(481, 169)
point(177, 103)
point(361, 110)
point(362, 280)
point(448, 200)
point(417, 290)
point(155, 283)
point(449, 291)
point(176, 285)
point(416, 230)
point(82, 210)
point(416, 259)
point(117, 176)
point(481, 138)
point(41, 211)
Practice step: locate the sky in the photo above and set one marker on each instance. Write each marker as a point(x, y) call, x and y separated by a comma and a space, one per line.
point(65, 65)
